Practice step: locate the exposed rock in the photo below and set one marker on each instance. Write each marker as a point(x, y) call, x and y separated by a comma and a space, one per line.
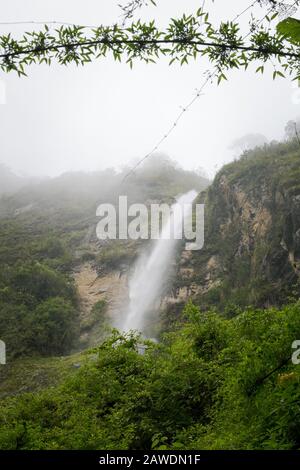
point(251, 253)
point(92, 288)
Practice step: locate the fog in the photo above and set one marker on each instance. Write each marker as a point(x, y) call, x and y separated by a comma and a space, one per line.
point(61, 119)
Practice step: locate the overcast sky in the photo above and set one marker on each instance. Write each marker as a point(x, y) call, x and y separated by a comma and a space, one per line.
point(104, 114)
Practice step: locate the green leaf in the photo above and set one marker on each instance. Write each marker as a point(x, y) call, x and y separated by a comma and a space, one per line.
point(260, 69)
point(290, 28)
point(221, 77)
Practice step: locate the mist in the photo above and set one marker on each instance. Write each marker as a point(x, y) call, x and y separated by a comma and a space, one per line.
point(64, 119)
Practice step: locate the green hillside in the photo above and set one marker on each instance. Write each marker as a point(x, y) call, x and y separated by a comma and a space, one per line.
point(251, 254)
point(221, 376)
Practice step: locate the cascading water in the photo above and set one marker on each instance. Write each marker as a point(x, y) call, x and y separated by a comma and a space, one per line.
point(146, 284)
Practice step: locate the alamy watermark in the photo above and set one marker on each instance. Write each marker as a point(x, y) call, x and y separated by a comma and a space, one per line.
point(159, 221)
point(2, 352)
point(296, 353)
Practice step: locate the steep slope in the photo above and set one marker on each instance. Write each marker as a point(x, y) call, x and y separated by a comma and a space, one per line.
point(59, 285)
point(252, 233)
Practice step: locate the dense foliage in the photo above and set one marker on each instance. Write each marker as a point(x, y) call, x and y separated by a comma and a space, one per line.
point(38, 309)
point(211, 383)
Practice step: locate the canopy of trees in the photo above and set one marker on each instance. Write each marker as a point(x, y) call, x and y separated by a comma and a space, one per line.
point(213, 383)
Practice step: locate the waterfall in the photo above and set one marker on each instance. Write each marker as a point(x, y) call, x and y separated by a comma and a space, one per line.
point(151, 270)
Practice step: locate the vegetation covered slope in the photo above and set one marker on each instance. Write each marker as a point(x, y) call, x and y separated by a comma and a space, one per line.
point(251, 254)
point(211, 384)
point(214, 381)
point(47, 230)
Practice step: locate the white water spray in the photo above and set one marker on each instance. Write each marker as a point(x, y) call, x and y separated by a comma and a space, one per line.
point(146, 284)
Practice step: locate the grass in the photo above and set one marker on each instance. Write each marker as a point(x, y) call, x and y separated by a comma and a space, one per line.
point(33, 374)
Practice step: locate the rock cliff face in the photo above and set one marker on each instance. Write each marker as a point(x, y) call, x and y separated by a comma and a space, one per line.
point(110, 289)
point(251, 253)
